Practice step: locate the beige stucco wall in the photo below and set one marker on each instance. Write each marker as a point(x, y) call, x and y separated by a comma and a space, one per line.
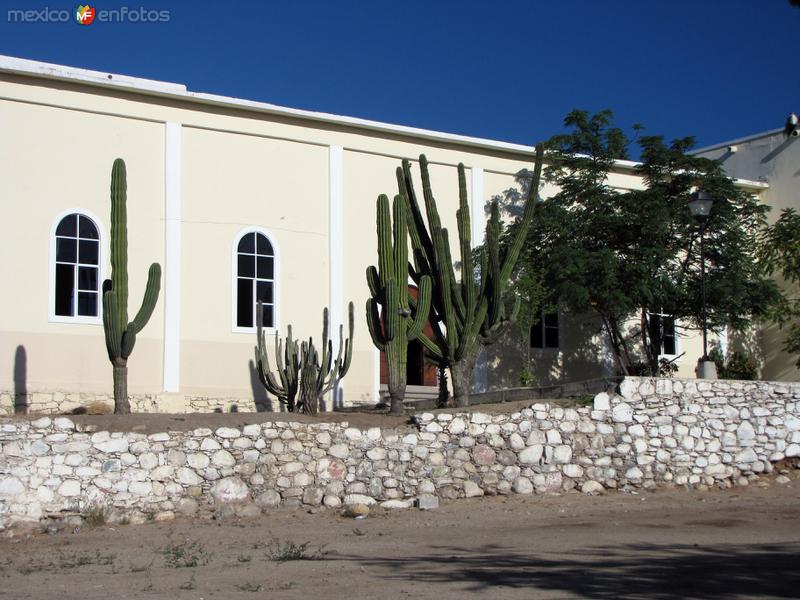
point(53, 160)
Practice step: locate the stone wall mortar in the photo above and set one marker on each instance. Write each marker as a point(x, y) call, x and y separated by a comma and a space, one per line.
point(653, 432)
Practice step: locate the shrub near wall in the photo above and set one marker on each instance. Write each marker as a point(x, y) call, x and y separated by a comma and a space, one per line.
point(654, 432)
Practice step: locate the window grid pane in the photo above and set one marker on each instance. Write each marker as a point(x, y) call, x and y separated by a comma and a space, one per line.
point(255, 273)
point(77, 290)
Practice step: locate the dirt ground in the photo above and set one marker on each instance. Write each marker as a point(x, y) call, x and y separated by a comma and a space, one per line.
point(732, 544)
point(363, 418)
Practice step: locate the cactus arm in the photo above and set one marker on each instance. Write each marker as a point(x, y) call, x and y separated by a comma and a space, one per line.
point(150, 296)
point(113, 332)
point(348, 345)
point(119, 238)
point(374, 283)
point(527, 217)
point(418, 233)
point(423, 308)
point(374, 325)
point(128, 340)
point(434, 350)
point(384, 228)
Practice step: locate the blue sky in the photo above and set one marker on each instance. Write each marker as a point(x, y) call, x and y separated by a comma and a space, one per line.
point(503, 70)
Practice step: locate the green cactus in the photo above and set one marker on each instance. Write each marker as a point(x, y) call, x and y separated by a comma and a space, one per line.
point(300, 367)
point(287, 357)
point(401, 318)
point(470, 312)
point(119, 333)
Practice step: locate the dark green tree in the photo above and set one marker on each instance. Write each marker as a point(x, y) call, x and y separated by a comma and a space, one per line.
point(779, 252)
point(626, 254)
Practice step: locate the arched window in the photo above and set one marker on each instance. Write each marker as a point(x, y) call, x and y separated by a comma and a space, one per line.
point(76, 276)
point(255, 280)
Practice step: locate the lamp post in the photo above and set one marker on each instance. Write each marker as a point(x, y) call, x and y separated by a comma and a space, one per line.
point(700, 207)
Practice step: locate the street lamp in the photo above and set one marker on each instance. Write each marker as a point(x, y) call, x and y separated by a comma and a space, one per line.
point(700, 207)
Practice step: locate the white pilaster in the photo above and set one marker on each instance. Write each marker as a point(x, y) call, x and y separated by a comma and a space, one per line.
point(172, 258)
point(336, 248)
point(478, 224)
point(478, 216)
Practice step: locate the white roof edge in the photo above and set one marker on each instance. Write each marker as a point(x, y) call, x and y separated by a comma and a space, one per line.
point(11, 64)
point(741, 140)
point(19, 66)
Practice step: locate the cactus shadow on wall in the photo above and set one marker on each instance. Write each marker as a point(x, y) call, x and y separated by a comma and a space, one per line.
point(20, 380)
point(260, 397)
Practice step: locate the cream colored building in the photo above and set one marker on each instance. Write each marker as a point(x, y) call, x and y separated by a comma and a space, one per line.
point(204, 173)
point(773, 158)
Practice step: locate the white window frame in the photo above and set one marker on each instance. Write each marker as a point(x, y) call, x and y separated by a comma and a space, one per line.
point(52, 317)
point(275, 281)
point(676, 327)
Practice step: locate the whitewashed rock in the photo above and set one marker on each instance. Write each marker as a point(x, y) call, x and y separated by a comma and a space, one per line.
point(359, 499)
point(396, 504)
point(602, 401)
point(268, 499)
point(426, 502)
point(69, 488)
point(41, 423)
point(622, 413)
point(230, 489)
point(522, 485)
point(592, 488)
point(223, 458)
point(113, 445)
point(188, 477)
point(456, 426)
point(745, 431)
point(227, 433)
point(11, 486)
point(531, 455)
point(562, 454)
point(63, 424)
point(472, 489)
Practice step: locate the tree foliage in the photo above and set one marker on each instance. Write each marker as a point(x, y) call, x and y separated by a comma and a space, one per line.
point(623, 251)
point(779, 252)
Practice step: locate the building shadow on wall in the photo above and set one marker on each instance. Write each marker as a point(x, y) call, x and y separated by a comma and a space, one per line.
point(652, 571)
point(262, 401)
point(20, 381)
point(582, 355)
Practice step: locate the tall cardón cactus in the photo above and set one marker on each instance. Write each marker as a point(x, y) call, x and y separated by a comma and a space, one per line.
point(119, 332)
point(300, 366)
point(394, 317)
point(469, 312)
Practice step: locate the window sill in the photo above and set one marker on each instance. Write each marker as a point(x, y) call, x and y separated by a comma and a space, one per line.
point(252, 330)
point(75, 320)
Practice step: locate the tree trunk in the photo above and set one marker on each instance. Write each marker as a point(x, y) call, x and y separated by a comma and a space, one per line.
point(444, 393)
point(121, 404)
point(461, 374)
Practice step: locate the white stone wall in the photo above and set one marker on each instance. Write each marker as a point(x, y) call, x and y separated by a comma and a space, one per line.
point(654, 432)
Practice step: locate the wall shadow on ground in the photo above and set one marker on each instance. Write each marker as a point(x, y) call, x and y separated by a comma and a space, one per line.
point(646, 571)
